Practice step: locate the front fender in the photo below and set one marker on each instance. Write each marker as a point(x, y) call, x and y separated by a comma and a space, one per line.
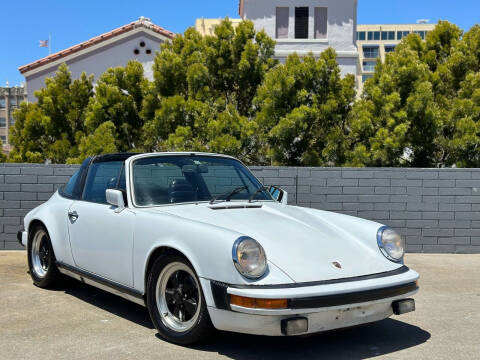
point(207, 247)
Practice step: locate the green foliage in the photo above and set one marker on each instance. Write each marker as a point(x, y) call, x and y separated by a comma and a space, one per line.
point(421, 107)
point(204, 90)
point(102, 141)
point(47, 129)
point(226, 93)
point(303, 107)
point(118, 99)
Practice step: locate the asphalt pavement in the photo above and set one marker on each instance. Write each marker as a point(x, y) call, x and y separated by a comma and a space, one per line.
point(77, 321)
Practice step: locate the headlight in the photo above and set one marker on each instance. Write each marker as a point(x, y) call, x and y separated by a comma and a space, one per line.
point(249, 258)
point(391, 244)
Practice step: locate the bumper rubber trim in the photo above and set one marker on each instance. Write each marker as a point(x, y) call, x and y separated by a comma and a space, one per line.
point(352, 298)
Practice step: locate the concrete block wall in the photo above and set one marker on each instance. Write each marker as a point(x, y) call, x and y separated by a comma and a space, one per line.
point(437, 210)
point(22, 188)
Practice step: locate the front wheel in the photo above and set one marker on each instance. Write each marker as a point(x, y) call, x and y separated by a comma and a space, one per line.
point(176, 303)
point(41, 259)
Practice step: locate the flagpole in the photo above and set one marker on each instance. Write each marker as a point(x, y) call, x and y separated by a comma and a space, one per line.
point(49, 43)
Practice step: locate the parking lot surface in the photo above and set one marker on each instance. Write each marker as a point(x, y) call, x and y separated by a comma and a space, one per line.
point(77, 321)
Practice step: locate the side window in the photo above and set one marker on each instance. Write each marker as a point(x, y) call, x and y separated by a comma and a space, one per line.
point(69, 188)
point(101, 176)
point(74, 187)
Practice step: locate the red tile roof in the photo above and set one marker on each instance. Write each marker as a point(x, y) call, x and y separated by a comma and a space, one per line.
point(142, 22)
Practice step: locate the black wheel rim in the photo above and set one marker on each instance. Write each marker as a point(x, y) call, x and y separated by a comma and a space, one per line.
point(44, 254)
point(40, 253)
point(181, 295)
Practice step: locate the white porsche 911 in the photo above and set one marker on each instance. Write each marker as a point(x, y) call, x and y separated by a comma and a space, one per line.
point(200, 242)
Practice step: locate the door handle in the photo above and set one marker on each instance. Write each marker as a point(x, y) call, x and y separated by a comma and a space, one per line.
point(73, 215)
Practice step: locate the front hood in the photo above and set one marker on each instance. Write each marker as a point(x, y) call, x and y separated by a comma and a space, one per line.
point(304, 243)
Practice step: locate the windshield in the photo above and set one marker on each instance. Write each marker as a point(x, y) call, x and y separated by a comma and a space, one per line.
point(178, 179)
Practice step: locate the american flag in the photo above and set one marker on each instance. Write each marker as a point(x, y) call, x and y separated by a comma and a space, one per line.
point(43, 43)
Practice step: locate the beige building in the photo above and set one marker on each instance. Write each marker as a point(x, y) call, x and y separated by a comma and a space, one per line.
point(375, 41)
point(10, 99)
point(207, 26)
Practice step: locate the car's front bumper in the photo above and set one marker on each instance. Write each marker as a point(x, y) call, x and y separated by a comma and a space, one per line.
point(325, 307)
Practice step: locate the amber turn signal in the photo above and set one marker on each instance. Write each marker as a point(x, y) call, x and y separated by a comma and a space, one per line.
point(258, 303)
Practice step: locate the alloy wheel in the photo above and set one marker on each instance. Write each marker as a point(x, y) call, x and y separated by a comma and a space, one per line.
point(178, 297)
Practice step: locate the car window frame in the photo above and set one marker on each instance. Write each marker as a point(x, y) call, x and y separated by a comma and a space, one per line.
point(130, 185)
point(80, 184)
point(99, 161)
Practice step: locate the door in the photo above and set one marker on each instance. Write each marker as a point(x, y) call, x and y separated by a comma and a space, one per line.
point(101, 239)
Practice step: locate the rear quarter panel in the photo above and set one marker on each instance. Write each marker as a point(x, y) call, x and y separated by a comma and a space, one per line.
point(53, 214)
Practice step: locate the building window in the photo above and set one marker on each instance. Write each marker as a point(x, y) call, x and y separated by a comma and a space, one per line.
point(301, 23)
point(422, 34)
point(369, 66)
point(11, 121)
point(282, 22)
point(3, 122)
point(361, 35)
point(4, 139)
point(13, 101)
point(365, 77)
point(2, 103)
point(373, 35)
point(402, 34)
point(388, 35)
point(321, 22)
point(370, 52)
point(389, 49)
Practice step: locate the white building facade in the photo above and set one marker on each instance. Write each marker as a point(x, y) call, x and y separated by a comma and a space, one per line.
point(308, 26)
point(139, 40)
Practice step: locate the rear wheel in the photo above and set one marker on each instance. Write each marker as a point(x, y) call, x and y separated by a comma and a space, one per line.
point(41, 259)
point(176, 302)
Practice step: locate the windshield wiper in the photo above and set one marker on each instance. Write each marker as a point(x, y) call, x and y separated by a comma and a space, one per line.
point(228, 195)
point(259, 190)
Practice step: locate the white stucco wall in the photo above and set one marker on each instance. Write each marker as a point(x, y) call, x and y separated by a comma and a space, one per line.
point(98, 61)
point(342, 23)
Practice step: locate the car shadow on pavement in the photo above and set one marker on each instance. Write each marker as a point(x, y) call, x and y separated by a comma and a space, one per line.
point(108, 302)
point(362, 342)
point(381, 338)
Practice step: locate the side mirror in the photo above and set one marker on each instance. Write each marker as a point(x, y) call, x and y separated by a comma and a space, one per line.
point(115, 198)
point(278, 194)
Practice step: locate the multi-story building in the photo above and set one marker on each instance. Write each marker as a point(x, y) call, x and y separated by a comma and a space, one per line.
point(10, 99)
point(139, 40)
point(374, 42)
point(302, 27)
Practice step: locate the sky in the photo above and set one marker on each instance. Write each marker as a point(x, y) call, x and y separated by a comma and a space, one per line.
point(71, 21)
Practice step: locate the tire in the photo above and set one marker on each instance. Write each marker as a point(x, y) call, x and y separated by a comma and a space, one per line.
point(173, 288)
point(41, 258)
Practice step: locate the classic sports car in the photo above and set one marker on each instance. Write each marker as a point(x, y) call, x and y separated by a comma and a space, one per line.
point(200, 242)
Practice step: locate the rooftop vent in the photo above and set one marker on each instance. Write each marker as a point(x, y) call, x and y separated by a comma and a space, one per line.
point(423, 21)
